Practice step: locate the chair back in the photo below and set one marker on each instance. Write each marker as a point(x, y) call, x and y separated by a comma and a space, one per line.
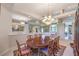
point(18, 45)
point(58, 38)
point(29, 37)
point(57, 41)
point(37, 40)
point(51, 48)
point(56, 45)
point(47, 38)
point(40, 35)
point(22, 49)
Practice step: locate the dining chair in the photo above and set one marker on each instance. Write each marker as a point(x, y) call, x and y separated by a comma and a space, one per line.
point(49, 51)
point(29, 37)
point(46, 39)
point(37, 40)
point(23, 49)
point(56, 44)
point(51, 48)
point(40, 35)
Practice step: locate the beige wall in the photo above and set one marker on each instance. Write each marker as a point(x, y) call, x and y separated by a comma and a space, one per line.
point(7, 37)
point(9, 41)
point(60, 30)
point(20, 36)
point(5, 18)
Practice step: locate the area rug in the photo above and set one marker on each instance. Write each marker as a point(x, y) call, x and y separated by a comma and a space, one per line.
point(61, 50)
point(59, 53)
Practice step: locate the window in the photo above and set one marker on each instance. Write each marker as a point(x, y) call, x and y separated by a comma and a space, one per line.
point(54, 28)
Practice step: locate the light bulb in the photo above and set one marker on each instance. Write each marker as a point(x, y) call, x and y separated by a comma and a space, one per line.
point(49, 16)
point(53, 19)
point(22, 23)
point(45, 17)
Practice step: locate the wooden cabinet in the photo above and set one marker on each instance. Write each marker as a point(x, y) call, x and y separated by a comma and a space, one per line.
point(76, 38)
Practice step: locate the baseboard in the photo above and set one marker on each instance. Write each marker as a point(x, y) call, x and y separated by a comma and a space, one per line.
point(6, 51)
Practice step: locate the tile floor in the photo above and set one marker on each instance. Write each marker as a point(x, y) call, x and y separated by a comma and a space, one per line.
point(68, 51)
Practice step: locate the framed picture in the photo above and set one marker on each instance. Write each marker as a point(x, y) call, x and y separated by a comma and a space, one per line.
point(17, 26)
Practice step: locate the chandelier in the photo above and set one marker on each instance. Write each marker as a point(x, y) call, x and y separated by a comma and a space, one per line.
point(48, 19)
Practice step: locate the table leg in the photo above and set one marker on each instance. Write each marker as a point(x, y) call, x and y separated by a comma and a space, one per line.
point(38, 51)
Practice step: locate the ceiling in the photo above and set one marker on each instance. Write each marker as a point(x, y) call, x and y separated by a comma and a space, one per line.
point(38, 10)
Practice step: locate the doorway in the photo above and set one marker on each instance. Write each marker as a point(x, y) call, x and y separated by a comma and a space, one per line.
point(68, 30)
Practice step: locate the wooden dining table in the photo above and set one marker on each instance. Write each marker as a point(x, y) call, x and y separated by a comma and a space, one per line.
point(43, 44)
point(31, 44)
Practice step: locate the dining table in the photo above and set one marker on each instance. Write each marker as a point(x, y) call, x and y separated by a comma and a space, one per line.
point(43, 44)
point(31, 44)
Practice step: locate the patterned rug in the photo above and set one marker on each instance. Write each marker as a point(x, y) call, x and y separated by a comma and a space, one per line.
point(59, 53)
point(61, 50)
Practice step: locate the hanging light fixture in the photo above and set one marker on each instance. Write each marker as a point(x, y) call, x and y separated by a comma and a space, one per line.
point(48, 19)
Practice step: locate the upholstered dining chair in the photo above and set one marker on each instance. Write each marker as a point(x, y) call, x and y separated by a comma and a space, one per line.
point(40, 36)
point(37, 40)
point(23, 49)
point(57, 41)
point(46, 39)
point(56, 44)
point(29, 37)
point(49, 51)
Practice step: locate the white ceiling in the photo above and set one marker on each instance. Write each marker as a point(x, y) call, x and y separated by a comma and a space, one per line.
point(38, 10)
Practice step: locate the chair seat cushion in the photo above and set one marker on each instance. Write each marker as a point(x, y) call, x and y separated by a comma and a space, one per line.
point(44, 50)
point(22, 46)
point(25, 51)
